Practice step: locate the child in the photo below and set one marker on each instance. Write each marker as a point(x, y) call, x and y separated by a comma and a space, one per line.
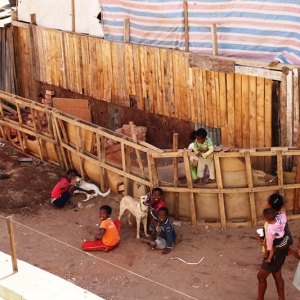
point(274, 231)
point(203, 147)
point(166, 232)
point(107, 235)
point(155, 204)
point(193, 159)
point(64, 189)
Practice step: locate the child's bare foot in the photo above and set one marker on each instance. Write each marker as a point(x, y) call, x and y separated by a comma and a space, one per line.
point(166, 251)
point(210, 181)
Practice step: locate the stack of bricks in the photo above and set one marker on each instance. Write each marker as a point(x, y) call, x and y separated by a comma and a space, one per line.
point(112, 146)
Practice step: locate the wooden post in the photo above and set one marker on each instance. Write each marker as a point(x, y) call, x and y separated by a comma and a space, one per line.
point(186, 26)
point(126, 31)
point(280, 171)
point(175, 179)
point(73, 14)
point(214, 39)
point(12, 244)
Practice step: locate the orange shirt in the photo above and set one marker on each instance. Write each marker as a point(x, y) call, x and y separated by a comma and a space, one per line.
point(111, 236)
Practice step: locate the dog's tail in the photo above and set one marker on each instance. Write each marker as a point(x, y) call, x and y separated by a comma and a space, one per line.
point(104, 194)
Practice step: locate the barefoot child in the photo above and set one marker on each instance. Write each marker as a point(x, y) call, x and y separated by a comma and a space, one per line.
point(203, 147)
point(166, 232)
point(107, 235)
point(274, 231)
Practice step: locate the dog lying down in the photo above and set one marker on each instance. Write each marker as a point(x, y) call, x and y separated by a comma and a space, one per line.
point(89, 186)
point(139, 208)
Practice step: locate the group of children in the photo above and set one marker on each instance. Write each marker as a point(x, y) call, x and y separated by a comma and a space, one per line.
point(202, 146)
point(161, 229)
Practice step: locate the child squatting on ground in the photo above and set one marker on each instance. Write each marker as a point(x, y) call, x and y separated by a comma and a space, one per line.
point(203, 147)
point(107, 235)
point(274, 231)
point(64, 189)
point(166, 232)
point(155, 204)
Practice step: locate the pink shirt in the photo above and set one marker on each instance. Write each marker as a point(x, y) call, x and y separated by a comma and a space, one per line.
point(57, 191)
point(276, 230)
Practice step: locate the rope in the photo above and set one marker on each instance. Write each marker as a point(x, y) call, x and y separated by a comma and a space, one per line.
point(197, 263)
point(105, 261)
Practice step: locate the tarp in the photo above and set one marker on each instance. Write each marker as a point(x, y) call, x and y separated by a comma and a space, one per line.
point(264, 30)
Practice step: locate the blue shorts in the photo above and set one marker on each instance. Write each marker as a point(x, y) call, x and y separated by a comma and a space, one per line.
point(62, 200)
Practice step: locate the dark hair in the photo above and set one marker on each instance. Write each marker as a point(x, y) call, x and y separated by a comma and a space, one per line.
point(73, 171)
point(193, 135)
point(107, 208)
point(276, 201)
point(270, 213)
point(201, 132)
point(157, 189)
point(163, 209)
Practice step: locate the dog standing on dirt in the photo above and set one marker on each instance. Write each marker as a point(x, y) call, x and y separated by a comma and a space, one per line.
point(138, 208)
point(89, 186)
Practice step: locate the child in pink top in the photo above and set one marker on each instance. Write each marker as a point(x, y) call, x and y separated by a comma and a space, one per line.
point(274, 231)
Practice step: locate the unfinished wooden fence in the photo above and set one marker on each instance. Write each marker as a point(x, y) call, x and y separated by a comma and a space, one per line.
point(236, 200)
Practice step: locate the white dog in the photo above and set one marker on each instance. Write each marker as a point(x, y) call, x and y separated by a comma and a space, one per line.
point(89, 186)
point(138, 208)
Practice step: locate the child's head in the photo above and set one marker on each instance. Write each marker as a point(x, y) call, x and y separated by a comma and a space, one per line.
point(275, 201)
point(269, 214)
point(71, 173)
point(104, 212)
point(193, 135)
point(201, 135)
point(162, 215)
point(156, 194)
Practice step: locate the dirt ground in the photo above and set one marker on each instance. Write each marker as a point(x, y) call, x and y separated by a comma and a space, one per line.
point(51, 238)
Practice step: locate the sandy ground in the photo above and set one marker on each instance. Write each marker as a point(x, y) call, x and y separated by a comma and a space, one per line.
point(51, 239)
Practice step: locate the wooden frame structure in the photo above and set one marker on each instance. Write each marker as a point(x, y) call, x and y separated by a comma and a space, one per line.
point(69, 142)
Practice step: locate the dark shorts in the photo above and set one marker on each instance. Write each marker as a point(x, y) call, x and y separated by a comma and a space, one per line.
point(62, 200)
point(276, 262)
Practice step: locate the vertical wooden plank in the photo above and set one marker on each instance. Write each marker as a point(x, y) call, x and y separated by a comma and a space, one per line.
point(252, 115)
point(152, 169)
point(186, 26)
point(129, 69)
point(214, 39)
point(85, 65)
point(268, 123)
point(93, 68)
point(144, 74)
point(238, 110)
point(230, 110)
point(283, 108)
point(183, 102)
point(107, 69)
point(126, 38)
point(174, 100)
point(289, 108)
point(217, 111)
point(250, 185)
point(214, 120)
point(296, 105)
point(162, 85)
point(12, 243)
point(169, 83)
point(220, 186)
point(260, 119)
point(175, 178)
point(63, 66)
point(223, 109)
point(206, 91)
point(189, 179)
point(137, 76)
point(280, 171)
point(245, 112)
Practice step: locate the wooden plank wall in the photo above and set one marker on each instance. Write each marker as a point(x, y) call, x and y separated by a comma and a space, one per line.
point(161, 81)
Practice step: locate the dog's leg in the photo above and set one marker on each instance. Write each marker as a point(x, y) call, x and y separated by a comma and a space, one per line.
point(145, 226)
point(128, 217)
point(122, 209)
point(138, 224)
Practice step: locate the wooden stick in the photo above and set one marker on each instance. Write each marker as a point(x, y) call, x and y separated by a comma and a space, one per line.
point(175, 179)
point(73, 15)
point(186, 26)
point(214, 39)
point(12, 243)
point(126, 31)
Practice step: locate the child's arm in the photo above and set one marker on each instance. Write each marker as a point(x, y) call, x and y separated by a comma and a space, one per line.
point(96, 233)
point(209, 151)
point(169, 239)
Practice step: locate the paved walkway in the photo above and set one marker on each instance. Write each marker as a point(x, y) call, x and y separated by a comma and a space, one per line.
point(31, 283)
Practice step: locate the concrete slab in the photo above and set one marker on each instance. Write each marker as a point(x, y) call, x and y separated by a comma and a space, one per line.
point(32, 283)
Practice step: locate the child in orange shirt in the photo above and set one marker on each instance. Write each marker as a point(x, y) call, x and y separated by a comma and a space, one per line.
point(107, 236)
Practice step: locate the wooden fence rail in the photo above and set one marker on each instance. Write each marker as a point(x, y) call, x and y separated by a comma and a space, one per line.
point(237, 199)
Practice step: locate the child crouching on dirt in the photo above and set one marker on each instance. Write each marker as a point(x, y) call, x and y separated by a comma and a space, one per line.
point(106, 236)
point(64, 190)
point(165, 230)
